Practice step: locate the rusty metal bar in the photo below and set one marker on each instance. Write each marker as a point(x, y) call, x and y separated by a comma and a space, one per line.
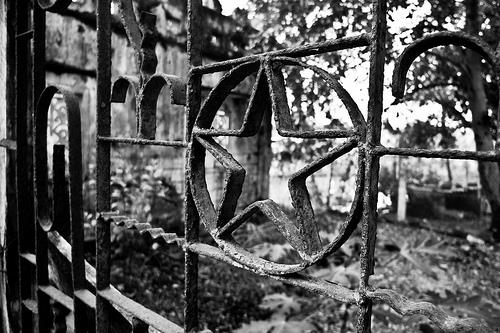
point(76, 209)
point(330, 134)
point(61, 214)
point(143, 142)
point(374, 125)
point(296, 52)
point(42, 252)
point(440, 318)
point(311, 284)
point(493, 156)
point(58, 296)
point(12, 252)
point(103, 241)
point(138, 311)
point(24, 189)
point(193, 98)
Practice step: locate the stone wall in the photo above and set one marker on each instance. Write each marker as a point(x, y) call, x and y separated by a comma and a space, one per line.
point(71, 60)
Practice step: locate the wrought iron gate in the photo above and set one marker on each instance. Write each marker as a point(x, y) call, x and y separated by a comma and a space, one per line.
point(95, 303)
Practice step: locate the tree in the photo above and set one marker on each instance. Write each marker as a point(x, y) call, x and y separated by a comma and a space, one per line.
point(465, 90)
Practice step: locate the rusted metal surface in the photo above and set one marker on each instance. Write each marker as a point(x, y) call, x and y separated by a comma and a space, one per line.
point(138, 311)
point(191, 216)
point(103, 112)
point(146, 85)
point(299, 51)
point(373, 131)
point(91, 291)
point(221, 218)
point(61, 213)
point(147, 92)
point(143, 142)
point(443, 321)
point(45, 222)
point(493, 156)
point(24, 188)
point(268, 92)
point(430, 41)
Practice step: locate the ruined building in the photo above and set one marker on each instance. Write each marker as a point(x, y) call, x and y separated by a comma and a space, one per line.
point(71, 60)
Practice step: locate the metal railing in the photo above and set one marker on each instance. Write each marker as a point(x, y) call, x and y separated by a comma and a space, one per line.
point(96, 304)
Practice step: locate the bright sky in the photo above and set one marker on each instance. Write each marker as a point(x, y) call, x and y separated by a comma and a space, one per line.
point(228, 6)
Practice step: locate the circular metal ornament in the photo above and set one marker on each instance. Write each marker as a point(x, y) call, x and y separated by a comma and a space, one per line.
point(221, 219)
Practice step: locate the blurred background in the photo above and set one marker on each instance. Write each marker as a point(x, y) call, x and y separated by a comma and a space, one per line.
point(439, 219)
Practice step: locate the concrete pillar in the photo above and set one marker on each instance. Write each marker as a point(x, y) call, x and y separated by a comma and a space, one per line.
point(401, 212)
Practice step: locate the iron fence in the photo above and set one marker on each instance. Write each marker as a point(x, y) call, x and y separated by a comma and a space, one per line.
point(95, 303)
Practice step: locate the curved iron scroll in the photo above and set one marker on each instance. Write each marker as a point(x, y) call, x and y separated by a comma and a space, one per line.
point(430, 41)
point(269, 93)
point(146, 95)
point(75, 155)
point(78, 277)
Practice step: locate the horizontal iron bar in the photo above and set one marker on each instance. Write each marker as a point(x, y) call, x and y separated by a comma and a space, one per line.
point(58, 296)
point(318, 134)
point(322, 287)
point(138, 311)
point(62, 68)
point(406, 307)
point(216, 132)
point(31, 305)
point(145, 142)
point(295, 52)
point(29, 257)
point(86, 297)
point(493, 156)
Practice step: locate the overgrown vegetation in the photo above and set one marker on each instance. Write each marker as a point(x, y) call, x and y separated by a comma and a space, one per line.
point(456, 273)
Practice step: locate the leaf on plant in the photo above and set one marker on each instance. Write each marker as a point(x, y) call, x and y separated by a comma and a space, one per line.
point(280, 305)
point(276, 326)
point(346, 276)
point(273, 252)
point(418, 262)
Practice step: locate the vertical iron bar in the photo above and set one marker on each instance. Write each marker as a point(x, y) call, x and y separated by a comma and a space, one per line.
point(76, 209)
point(24, 191)
point(61, 219)
point(42, 254)
point(103, 241)
point(374, 125)
point(13, 259)
point(194, 45)
point(60, 193)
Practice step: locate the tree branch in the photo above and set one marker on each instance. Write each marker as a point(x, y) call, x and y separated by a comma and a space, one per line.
point(451, 110)
point(447, 107)
point(431, 86)
point(450, 61)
